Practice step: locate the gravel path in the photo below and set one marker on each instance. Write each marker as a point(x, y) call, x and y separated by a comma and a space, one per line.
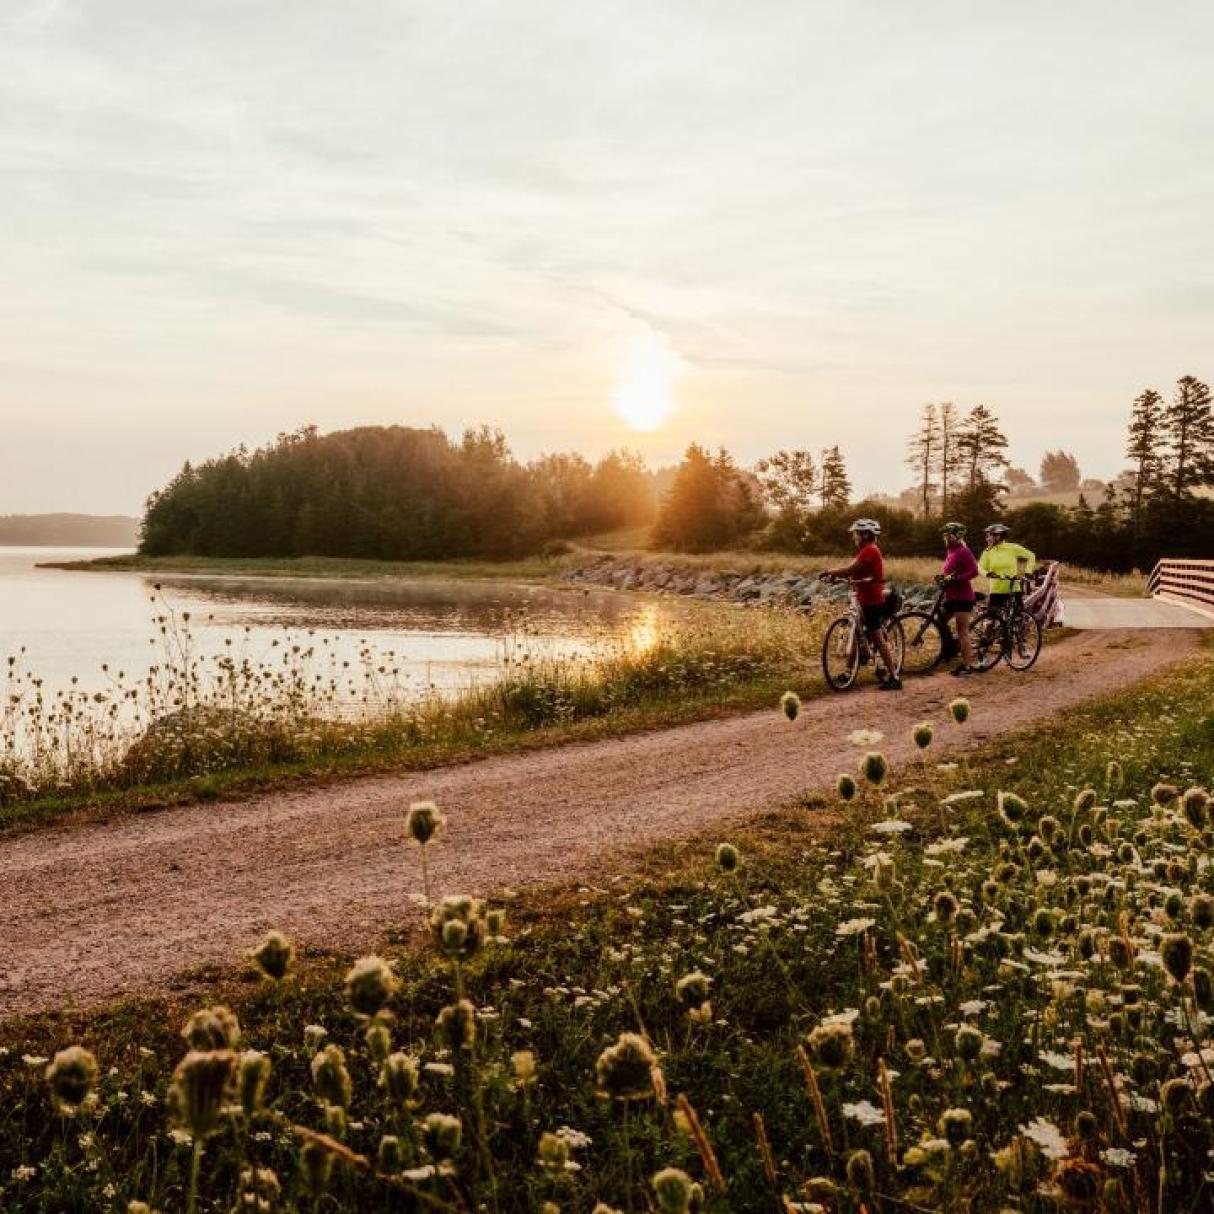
point(89, 913)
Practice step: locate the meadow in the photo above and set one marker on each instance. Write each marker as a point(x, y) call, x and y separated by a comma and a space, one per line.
point(974, 985)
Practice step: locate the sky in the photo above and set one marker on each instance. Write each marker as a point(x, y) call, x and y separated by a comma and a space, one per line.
point(754, 223)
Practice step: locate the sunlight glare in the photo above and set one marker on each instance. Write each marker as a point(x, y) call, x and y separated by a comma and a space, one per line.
point(644, 392)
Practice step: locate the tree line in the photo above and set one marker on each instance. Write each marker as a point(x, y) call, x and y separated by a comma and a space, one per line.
point(401, 493)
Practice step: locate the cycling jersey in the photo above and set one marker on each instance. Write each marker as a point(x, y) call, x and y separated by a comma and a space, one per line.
point(960, 568)
point(870, 564)
point(999, 564)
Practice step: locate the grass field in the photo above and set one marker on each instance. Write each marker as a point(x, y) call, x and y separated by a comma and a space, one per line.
point(975, 986)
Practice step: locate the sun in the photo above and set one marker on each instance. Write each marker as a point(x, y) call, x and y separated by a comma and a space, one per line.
point(644, 392)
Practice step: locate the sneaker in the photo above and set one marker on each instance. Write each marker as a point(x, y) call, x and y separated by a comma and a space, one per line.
point(890, 685)
point(962, 672)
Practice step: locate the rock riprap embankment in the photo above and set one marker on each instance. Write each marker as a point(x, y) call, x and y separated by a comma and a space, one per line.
point(767, 588)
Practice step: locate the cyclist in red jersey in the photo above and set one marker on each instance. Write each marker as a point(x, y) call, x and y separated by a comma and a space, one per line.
point(867, 574)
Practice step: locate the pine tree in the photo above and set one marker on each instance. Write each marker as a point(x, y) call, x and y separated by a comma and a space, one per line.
point(1143, 447)
point(980, 446)
point(834, 487)
point(947, 460)
point(1188, 427)
point(921, 453)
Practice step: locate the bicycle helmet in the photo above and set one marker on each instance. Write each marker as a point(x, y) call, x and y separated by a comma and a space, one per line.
point(957, 529)
point(869, 525)
point(997, 529)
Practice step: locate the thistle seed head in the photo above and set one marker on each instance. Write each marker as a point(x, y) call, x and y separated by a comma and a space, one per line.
point(274, 956)
point(672, 1187)
point(423, 821)
point(692, 989)
point(959, 710)
point(212, 1028)
point(831, 1046)
point(969, 1042)
point(861, 1174)
point(790, 705)
point(316, 1163)
point(331, 1078)
point(846, 785)
point(398, 1078)
point(201, 1087)
point(553, 1152)
point(1085, 798)
point(922, 735)
point(727, 857)
point(1177, 954)
point(441, 1134)
point(253, 1076)
point(1165, 794)
point(1196, 806)
point(391, 1154)
point(457, 1024)
point(379, 1040)
point(465, 940)
point(874, 767)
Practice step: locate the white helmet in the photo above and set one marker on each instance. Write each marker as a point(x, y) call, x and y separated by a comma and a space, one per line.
point(866, 524)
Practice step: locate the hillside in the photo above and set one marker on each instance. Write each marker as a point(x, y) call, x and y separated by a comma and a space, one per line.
point(69, 530)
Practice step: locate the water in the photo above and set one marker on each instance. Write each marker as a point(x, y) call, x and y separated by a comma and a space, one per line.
point(439, 635)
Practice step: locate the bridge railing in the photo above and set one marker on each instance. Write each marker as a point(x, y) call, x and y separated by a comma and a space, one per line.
point(1187, 581)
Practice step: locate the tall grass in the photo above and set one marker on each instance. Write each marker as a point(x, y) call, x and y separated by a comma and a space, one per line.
point(197, 713)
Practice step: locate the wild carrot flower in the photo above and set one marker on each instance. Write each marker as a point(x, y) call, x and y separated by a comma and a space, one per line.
point(969, 1042)
point(874, 767)
point(370, 983)
point(727, 857)
point(252, 1077)
point(274, 956)
point(790, 705)
point(72, 1078)
point(959, 710)
point(423, 821)
point(625, 1070)
point(212, 1028)
point(331, 1078)
point(831, 1046)
point(200, 1090)
point(522, 1063)
point(441, 1134)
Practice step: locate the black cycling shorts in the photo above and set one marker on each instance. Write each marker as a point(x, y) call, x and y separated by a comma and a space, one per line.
point(954, 607)
point(874, 617)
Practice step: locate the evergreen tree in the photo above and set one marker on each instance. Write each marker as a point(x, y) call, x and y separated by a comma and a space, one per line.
point(947, 458)
point(981, 447)
point(1143, 448)
point(834, 486)
point(709, 505)
point(1188, 427)
point(1060, 471)
point(921, 453)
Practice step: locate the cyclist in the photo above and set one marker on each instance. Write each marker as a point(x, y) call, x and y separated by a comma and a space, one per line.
point(1001, 561)
point(957, 580)
point(867, 574)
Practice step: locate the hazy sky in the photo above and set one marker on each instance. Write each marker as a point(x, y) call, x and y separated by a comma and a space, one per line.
point(220, 219)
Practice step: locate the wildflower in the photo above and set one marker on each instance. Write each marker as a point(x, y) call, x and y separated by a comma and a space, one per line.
point(959, 710)
point(1113, 775)
point(1165, 794)
point(213, 1028)
point(200, 1089)
point(391, 1154)
point(522, 1063)
point(625, 1070)
point(674, 1190)
point(946, 906)
point(846, 786)
point(314, 1036)
point(955, 1125)
point(457, 1023)
point(370, 983)
point(259, 1189)
point(922, 735)
point(274, 956)
point(252, 1077)
point(874, 767)
point(442, 1133)
point(1196, 804)
point(831, 1046)
point(495, 922)
point(1175, 1096)
point(1176, 951)
point(692, 989)
point(457, 925)
point(379, 1040)
point(1012, 808)
point(790, 705)
point(398, 1077)
point(727, 857)
point(72, 1077)
point(1084, 800)
point(316, 1161)
point(969, 1042)
point(331, 1078)
point(1203, 988)
point(423, 821)
point(553, 1153)
point(860, 1172)
point(1080, 1183)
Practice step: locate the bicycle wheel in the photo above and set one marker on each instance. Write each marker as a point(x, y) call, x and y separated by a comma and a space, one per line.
point(840, 653)
point(987, 636)
point(1025, 641)
point(923, 642)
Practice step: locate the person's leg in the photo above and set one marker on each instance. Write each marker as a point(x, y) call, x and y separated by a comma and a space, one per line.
point(880, 640)
point(963, 638)
point(949, 647)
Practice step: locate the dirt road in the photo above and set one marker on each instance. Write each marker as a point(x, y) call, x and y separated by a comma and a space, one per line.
point(90, 913)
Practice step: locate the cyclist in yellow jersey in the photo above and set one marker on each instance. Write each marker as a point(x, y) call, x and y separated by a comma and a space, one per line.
point(1001, 561)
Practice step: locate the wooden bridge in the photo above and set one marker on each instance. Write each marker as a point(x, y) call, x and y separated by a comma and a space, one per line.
point(1180, 594)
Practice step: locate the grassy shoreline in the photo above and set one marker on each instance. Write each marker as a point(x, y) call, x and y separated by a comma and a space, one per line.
point(583, 963)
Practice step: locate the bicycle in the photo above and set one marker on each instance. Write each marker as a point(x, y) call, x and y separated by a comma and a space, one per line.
point(1007, 632)
point(925, 637)
point(845, 647)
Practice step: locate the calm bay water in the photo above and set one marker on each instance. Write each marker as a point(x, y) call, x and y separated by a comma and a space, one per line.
point(442, 635)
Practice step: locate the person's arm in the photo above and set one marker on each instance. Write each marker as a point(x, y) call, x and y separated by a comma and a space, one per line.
point(1023, 554)
point(856, 568)
point(984, 564)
